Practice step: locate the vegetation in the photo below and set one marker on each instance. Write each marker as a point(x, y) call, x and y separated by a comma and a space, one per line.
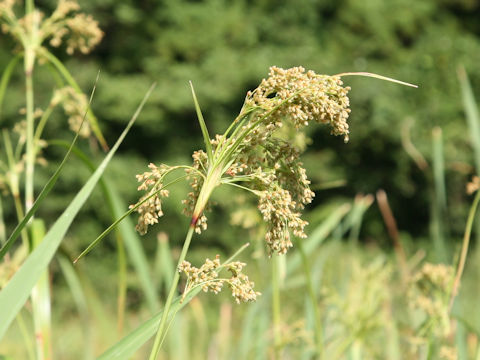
point(335, 268)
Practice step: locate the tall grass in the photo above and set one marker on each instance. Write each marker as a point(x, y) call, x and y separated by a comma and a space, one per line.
point(330, 297)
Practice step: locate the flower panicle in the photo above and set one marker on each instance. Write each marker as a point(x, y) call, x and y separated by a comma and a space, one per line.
point(66, 25)
point(252, 153)
point(75, 105)
point(149, 207)
point(207, 277)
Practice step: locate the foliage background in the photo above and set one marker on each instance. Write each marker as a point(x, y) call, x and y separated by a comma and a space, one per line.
point(226, 48)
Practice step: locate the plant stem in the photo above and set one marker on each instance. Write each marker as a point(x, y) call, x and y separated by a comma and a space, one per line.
point(26, 336)
point(463, 255)
point(173, 290)
point(41, 302)
point(30, 155)
point(276, 307)
point(122, 284)
point(313, 299)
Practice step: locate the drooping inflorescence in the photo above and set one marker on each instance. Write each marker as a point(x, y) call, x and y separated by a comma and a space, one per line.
point(252, 155)
point(207, 277)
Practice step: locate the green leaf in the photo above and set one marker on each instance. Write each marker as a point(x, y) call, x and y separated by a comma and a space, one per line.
point(6, 78)
point(125, 230)
point(17, 290)
point(203, 126)
point(126, 347)
point(473, 118)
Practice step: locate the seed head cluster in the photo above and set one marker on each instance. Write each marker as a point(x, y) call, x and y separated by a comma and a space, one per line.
point(149, 207)
point(301, 97)
point(196, 182)
point(429, 292)
point(253, 155)
point(207, 277)
point(75, 105)
point(65, 26)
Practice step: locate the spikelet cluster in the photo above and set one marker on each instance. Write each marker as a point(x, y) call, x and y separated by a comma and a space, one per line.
point(196, 182)
point(429, 293)
point(65, 26)
point(149, 207)
point(75, 105)
point(254, 155)
point(207, 276)
point(278, 211)
point(473, 185)
point(300, 97)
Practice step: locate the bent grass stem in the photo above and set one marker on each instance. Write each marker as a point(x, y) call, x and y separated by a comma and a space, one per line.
point(173, 289)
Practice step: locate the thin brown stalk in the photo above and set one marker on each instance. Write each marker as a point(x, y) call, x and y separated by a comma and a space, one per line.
point(392, 229)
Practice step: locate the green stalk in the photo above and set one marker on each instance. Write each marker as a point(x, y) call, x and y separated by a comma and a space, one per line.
point(173, 290)
point(122, 284)
point(41, 304)
point(313, 299)
point(29, 6)
point(211, 181)
point(7, 73)
point(276, 307)
point(3, 233)
point(27, 339)
point(30, 155)
point(463, 254)
point(439, 206)
point(14, 186)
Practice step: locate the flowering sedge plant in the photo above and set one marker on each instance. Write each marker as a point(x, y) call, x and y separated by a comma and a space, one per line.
point(250, 155)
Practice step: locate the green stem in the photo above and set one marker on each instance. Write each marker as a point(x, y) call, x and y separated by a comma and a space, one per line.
point(463, 255)
point(14, 185)
point(313, 299)
point(276, 307)
point(122, 284)
point(30, 155)
point(29, 6)
point(173, 290)
point(7, 73)
point(26, 336)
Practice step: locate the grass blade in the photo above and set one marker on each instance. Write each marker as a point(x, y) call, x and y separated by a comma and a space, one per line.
point(126, 347)
point(203, 126)
point(473, 118)
point(439, 203)
point(16, 292)
point(46, 189)
point(7, 73)
point(80, 299)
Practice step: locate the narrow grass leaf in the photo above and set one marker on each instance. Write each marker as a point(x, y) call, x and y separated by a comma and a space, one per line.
point(439, 203)
point(203, 126)
point(7, 73)
point(126, 231)
point(46, 189)
point(471, 110)
point(17, 290)
point(126, 347)
point(80, 300)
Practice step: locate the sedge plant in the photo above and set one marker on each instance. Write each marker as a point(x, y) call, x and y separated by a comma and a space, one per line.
point(252, 156)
